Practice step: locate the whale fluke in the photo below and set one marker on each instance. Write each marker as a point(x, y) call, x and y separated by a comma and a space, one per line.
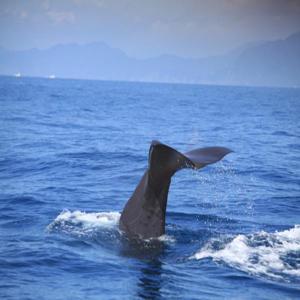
point(144, 213)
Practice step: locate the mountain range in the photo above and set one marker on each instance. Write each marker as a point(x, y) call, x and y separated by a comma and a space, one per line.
point(270, 63)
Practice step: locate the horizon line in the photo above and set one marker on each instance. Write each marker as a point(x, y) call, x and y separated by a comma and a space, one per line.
point(147, 82)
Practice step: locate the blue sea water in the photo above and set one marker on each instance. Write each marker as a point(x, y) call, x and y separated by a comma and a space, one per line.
point(71, 154)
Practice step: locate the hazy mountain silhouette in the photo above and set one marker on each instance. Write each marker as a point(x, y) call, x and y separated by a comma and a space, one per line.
point(274, 63)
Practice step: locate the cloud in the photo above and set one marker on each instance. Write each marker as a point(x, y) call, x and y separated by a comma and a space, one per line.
point(24, 14)
point(59, 17)
point(191, 28)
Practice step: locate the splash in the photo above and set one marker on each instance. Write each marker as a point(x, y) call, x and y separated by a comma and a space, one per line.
point(87, 224)
point(83, 223)
point(274, 255)
point(167, 239)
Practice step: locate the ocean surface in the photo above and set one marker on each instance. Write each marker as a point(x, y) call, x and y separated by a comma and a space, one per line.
point(73, 151)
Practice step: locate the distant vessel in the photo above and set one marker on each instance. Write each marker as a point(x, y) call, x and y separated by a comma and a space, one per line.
point(52, 77)
point(18, 74)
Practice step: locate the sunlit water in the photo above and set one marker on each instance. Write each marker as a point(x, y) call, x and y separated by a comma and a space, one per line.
point(72, 152)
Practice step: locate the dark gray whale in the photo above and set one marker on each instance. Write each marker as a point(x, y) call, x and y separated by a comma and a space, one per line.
point(144, 213)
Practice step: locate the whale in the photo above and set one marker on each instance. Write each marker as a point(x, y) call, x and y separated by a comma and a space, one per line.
point(144, 214)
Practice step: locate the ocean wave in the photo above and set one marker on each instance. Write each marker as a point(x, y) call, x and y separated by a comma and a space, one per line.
point(273, 255)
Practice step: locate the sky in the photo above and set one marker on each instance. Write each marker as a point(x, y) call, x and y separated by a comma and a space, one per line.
point(147, 28)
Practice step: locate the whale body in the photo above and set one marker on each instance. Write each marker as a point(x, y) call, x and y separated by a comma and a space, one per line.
point(145, 212)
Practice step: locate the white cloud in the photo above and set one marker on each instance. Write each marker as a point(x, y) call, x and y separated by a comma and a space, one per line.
point(59, 17)
point(24, 14)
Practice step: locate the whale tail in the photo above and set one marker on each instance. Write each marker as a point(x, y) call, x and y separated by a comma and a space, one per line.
point(165, 160)
point(144, 213)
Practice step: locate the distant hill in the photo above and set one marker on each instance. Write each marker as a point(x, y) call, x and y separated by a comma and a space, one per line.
point(274, 63)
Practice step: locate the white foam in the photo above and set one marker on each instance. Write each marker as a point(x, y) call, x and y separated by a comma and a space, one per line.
point(274, 255)
point(168, 239)
point(82, 222)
